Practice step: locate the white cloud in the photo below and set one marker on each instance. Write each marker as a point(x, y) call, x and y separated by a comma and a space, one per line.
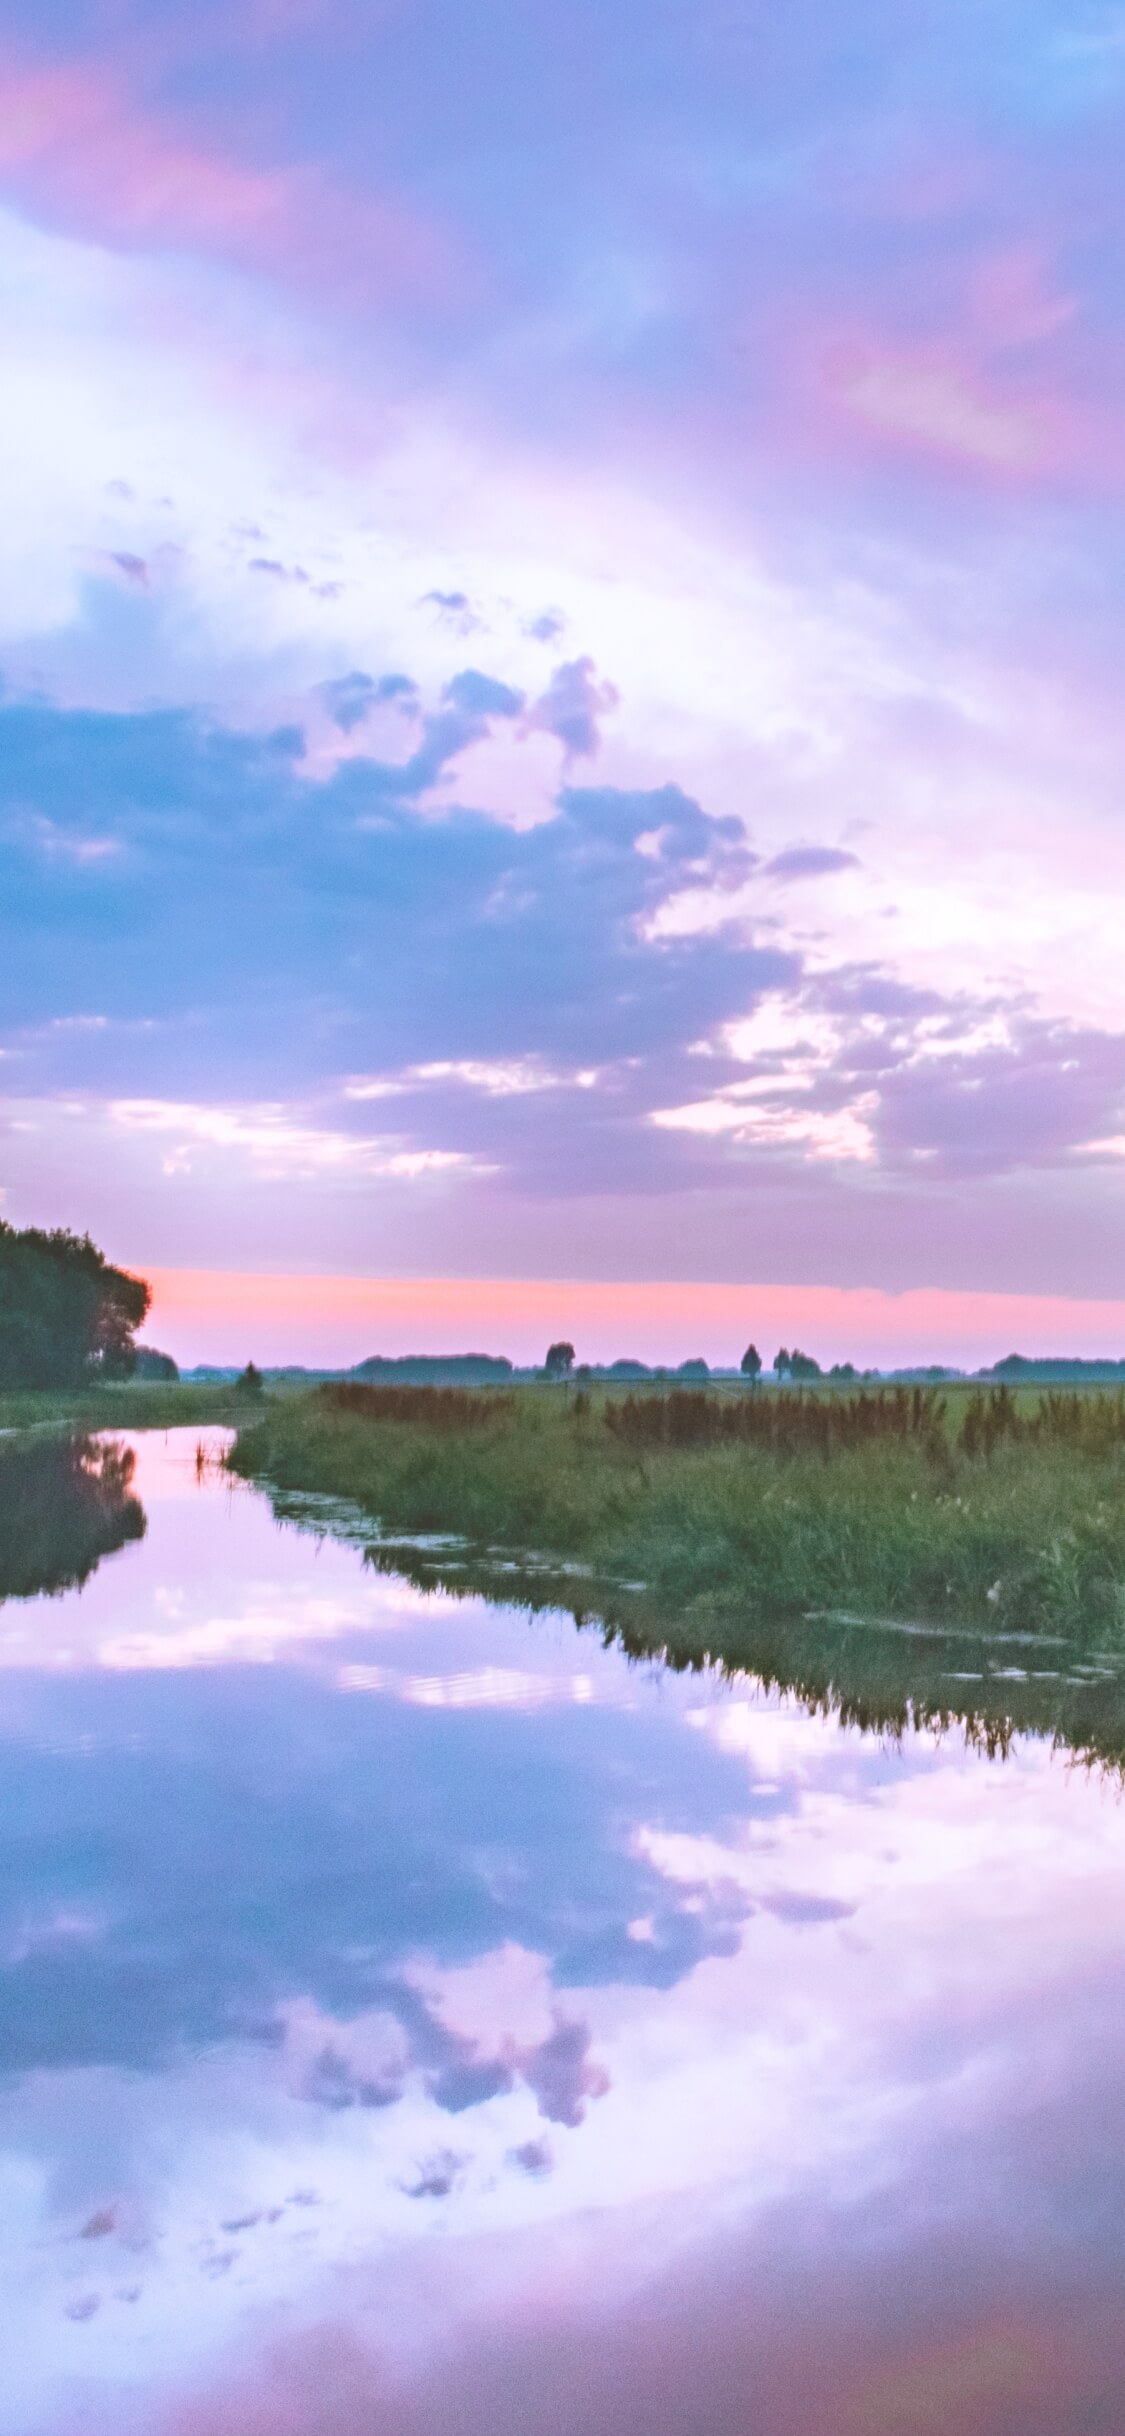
point(274, 1142)
point(842, 1134)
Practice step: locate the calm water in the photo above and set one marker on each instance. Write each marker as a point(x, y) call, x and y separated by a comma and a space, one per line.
point(415, 2019)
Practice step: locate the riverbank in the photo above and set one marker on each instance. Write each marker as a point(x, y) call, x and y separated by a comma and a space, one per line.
point(980, 1511)
point(129, 1404)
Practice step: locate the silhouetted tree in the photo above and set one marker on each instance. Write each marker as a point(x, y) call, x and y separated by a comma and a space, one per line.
point(782, 1363)
point(66, 1315)
point(751, 1365)
point(250, 1384)
point(560, 1360)
point(802, 1366)
point(152, 1365)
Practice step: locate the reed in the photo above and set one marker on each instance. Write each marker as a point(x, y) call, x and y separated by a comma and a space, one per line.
point(986, 1509)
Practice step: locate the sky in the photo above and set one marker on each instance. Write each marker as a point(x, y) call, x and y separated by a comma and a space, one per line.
point(559, 628)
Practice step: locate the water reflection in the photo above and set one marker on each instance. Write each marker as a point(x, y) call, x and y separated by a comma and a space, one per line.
point(64, 1504)
point(415, 2017)
point(886, 1678)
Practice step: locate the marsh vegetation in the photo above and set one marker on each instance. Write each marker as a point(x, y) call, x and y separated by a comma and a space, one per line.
point(985, 1509)
point(898, 1557)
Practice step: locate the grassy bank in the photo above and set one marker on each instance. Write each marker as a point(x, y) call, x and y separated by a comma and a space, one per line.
point(154, 1405)
point(980, 1511)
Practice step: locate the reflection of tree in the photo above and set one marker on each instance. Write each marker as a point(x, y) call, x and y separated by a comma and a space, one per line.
point(64, 1504)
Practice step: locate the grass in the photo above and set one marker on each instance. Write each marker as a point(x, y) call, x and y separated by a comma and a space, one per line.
point(147, 1405)
point(949, 1560)
point(988, 1511)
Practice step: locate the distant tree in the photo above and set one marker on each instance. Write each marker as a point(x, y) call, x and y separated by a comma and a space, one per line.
point(751, 1365)
point(697, 1368)
point(152, 1365)
point(560, 1360)
point(250, 1384)
point(802, 1366)
point(843, 1370)
point(66, 1315)
point(783, 1364)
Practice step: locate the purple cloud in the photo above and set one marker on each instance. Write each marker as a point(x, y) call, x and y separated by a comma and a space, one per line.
point(454, 610)
point(134, 569)
point(810, 863)
point(350, 700)
point(547, 627)
point(570, 709)
point(563, 2075)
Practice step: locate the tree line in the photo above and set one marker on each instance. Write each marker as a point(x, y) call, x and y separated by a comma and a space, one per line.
point(793, 1365)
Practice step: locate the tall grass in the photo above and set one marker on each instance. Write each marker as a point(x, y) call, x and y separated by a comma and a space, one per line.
point(987, 1511)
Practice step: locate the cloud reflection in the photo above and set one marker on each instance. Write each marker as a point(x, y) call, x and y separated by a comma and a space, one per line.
point(705, 2032)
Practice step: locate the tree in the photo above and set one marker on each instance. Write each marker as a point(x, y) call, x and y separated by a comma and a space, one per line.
point(66, 1315)
point(152, 1365)
point(751, 1365)
point(560, 1360)
point(802, 1366)
point(250, 1384)
point(782, 1363)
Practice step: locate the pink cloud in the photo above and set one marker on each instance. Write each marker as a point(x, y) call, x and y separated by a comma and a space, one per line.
point(76, 146)
point(935, 399)
point(1012, 300)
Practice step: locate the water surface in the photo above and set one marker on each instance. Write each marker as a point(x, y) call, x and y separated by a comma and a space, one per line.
point(415, 2017)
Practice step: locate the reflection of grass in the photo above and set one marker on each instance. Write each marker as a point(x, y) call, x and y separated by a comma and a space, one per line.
point(881, 1677)
point(1005, 1516)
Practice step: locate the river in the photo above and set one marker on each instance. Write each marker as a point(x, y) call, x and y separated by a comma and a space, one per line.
point(415, 2017)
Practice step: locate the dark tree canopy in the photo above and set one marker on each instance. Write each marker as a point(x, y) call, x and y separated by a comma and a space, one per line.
point(66, 1315)
point(796, 1365)
point(751, 1363)
point(153, 1365)
point(560, 1360)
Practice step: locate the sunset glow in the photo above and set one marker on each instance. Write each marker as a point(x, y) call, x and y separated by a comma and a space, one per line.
point(220, 1316)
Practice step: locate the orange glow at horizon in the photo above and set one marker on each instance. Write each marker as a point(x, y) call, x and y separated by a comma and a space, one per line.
point(232, 1315)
